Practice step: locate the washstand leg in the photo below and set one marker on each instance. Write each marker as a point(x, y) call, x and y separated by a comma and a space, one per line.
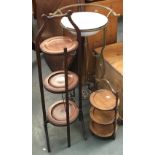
point(80, 109)
point(80, 57)
point(67, 99)
point(83, 125)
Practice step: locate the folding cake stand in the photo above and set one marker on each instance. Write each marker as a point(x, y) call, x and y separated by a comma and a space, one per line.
point(104, 112)
point(63, 112)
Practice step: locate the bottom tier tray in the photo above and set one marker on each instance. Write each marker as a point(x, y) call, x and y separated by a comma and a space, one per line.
point(57, 113)
point(101, 130)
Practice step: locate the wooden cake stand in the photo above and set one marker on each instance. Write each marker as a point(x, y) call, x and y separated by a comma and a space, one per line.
point(60, 49)
point(103, 113)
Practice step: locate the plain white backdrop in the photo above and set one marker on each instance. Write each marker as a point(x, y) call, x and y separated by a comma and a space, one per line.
point(16, 77)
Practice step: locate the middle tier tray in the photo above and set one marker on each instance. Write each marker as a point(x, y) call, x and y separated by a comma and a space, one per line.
point(55, 82)
point(102, 117)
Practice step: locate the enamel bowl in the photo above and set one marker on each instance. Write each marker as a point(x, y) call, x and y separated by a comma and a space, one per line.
point(89, 23)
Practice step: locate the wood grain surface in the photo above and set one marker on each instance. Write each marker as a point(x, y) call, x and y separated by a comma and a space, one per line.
point(101, 130)
point(55, 82)
point(56, 113)
point(102, 117)
point(113, 55)
point(103, 99)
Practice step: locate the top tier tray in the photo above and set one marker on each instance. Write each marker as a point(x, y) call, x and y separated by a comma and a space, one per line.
point(103, 99)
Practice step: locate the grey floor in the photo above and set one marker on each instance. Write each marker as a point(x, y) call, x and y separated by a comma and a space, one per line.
point(58, 141)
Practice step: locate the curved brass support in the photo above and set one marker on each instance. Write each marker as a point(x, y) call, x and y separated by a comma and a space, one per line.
point(45, 20)
point(84, 4)
point(60, 11)
point(108, 83)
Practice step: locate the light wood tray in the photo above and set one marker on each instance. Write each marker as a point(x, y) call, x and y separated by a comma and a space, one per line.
point(101, 130)
point(102, 117)
point(103, 99)
point(113, 55)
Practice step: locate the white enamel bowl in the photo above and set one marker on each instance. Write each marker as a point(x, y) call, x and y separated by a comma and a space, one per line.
point(88, 22)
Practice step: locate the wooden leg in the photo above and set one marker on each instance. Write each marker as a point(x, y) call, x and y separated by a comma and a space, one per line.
point(47, 137)
point(83, 125)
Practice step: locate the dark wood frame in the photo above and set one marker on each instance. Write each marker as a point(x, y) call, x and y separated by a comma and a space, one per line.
point(46, 19)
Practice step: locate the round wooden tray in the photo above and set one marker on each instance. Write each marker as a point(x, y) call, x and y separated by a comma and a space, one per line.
point(56, 45)
point(103, 99)
point(101, 130)
point(57, 113)
point(55, 82)
point(102, 117)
